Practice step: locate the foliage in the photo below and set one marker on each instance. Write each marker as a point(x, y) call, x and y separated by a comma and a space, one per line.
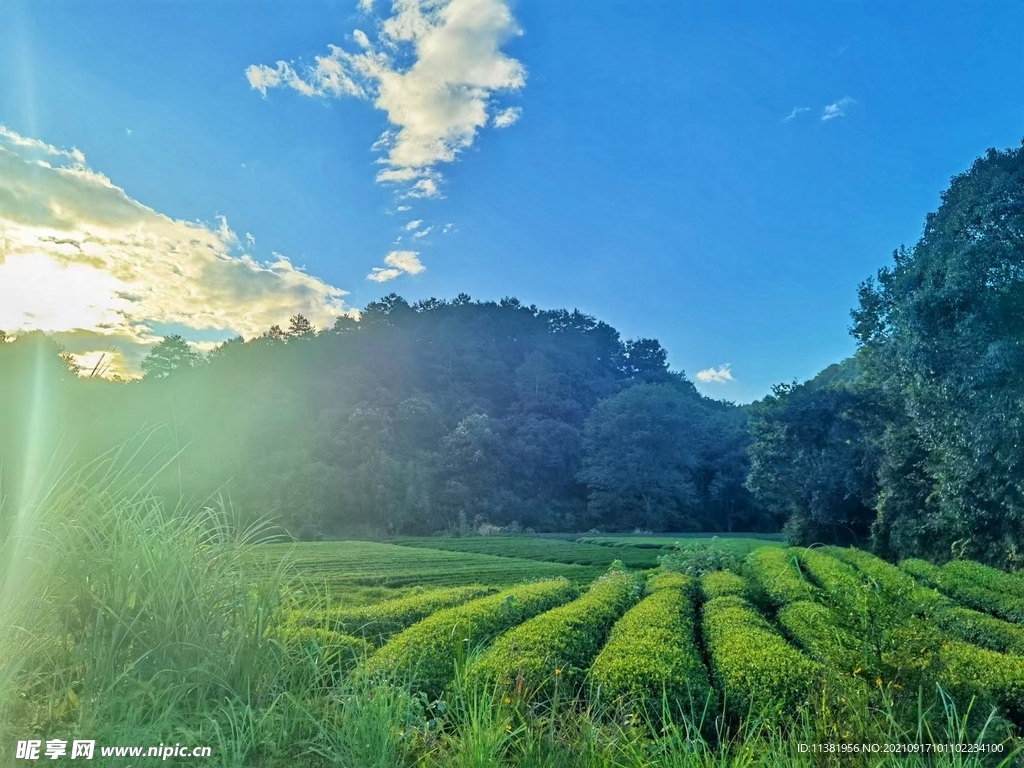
point(777, 572)
point(652, 654)
point(698, 559)
point(168, 356)
point(812, 626)
point(557, 646)
point(722, 584)
point(533, 548)
point(323, 652)
point(972, 586)
point(754, 668)
point(342, 564)
point(969, 669)
point(982, 630)
point(426, 653)
point(940, 330)
point(375, 623)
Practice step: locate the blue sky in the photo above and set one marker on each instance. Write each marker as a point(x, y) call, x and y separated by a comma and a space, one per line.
point(646, 172)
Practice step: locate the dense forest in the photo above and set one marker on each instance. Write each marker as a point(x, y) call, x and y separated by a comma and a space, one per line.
point(437, 416)
point(461, 415)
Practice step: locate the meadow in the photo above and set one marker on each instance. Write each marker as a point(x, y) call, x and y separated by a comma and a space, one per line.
point(149, 627)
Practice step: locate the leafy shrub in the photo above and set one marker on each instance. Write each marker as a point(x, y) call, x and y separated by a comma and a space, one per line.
point(754, 668)
point(985, 576)
point(812, 626)
point(834, 576)
point(778, 572)
point(560, 642)
point(376, 623)
point(325, 653)
point(698, 559)
point(981, 629)
point(652, 652)
point(426, 652)
point(967, 584)
point(970, 670)
point(892, 580)
point(722, 583)
point(663, 580)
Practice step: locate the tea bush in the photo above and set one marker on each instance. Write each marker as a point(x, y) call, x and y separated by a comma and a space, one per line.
point(834, 576)
point(663, 580)
point(376, 623)
point(652, 652)
point(559, 643)
point(722, 584)
point(986, 576)
point(426, 653)
point(812, 626)
point(754, 667)
point(325, 653)
point(981, 629)
point(969, 585)
point(969, 669)
point(777, 571)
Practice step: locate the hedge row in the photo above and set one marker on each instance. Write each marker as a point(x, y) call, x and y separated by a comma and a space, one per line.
point(981, 629)
point(378, 622)
point(970, 670)
point(986, 576)
point(652, 652)
point(560, 642)
point(664, 580)
point(328, 654)
point(722, 584)
point(777, 571)
point(426, 653)
point(959, 580)
point(812, 627)
point(835, 577)
point(754, 668)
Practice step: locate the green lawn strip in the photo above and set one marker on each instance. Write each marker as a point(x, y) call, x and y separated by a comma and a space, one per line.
point(652, 653)
point(424, 655)
point(558, 646)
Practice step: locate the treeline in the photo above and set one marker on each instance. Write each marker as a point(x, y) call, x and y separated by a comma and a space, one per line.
point(917, 442)
point(436, 416)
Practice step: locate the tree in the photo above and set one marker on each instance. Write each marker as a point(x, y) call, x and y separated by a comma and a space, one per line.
point(942, 330)
point(299, 326)
point(640, 449)
point(172, 354)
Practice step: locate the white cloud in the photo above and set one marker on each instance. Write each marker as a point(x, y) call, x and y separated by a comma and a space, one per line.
point(413, 224)
point(718, 375)
point(398, 263)
point(797, 111)
point(837, 109)
point(366, 6)
point(82, 260)
point(507, 117)
point(447, 228)
point(403, 208)
point(437, 103)
point(423, 232)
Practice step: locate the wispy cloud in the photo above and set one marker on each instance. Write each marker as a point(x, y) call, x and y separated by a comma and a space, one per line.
point(437, 103)
point(797, 111)
point(423, 232)
point(81, 259)
point(838, 108)
point(719, 375)
point(507, 117)
point(413, 225)
point(398, 263)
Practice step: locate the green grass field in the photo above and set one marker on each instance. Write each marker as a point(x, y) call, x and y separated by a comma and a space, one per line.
point(739, 544)
point(545, 550)
point(504, 651)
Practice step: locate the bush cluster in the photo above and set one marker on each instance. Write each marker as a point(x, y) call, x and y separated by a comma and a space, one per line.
point(698, 559)
point(662, 580)
point(722, 584)
point(970, 670)
point(325, 653)
point(812, 626)
point(835, 577)
point(893, 581)
point(376, 623)
point(973, 585)
point(777, 571)
point(652, 653)
point(426, 653)
point(981, 629)
point(755, 669)
point(560, 643)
